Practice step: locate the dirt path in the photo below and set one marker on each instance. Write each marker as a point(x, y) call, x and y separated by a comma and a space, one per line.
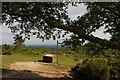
point(37, 70)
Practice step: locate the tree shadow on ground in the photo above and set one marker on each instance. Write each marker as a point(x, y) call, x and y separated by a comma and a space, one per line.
point(27, 75)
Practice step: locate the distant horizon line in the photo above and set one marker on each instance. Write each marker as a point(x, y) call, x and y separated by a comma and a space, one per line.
point(42, 44)
point(32, 44)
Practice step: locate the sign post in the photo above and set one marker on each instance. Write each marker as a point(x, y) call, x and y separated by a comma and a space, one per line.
point(57, 50)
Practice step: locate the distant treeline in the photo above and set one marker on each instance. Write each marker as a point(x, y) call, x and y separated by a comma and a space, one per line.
point(47, 46)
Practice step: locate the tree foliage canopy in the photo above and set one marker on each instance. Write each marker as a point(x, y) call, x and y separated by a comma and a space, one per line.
point(44, 18)
point(18, 40)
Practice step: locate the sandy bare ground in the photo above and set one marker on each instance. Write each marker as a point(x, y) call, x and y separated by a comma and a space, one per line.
point(36, 70)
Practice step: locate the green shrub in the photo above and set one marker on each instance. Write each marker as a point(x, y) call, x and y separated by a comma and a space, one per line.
point(111, 53)
point(4, 70)
point(7, 53)
point(91, 70)
point(36, 53)
point(114, 69)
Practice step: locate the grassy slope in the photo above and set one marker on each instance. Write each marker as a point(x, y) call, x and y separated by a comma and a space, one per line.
point(64, 60)
point(28, 54)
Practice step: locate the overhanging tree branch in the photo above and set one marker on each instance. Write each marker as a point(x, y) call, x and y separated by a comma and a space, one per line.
point(109, 44)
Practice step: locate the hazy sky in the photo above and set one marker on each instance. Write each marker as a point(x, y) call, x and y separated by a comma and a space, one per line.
point(7, 36)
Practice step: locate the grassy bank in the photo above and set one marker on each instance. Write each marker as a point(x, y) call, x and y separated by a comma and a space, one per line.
point(65, 57)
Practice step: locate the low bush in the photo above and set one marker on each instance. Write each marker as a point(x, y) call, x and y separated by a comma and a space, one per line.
point(114, 69)
point(7, 53)
point(4, 70)
point(91, 70)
